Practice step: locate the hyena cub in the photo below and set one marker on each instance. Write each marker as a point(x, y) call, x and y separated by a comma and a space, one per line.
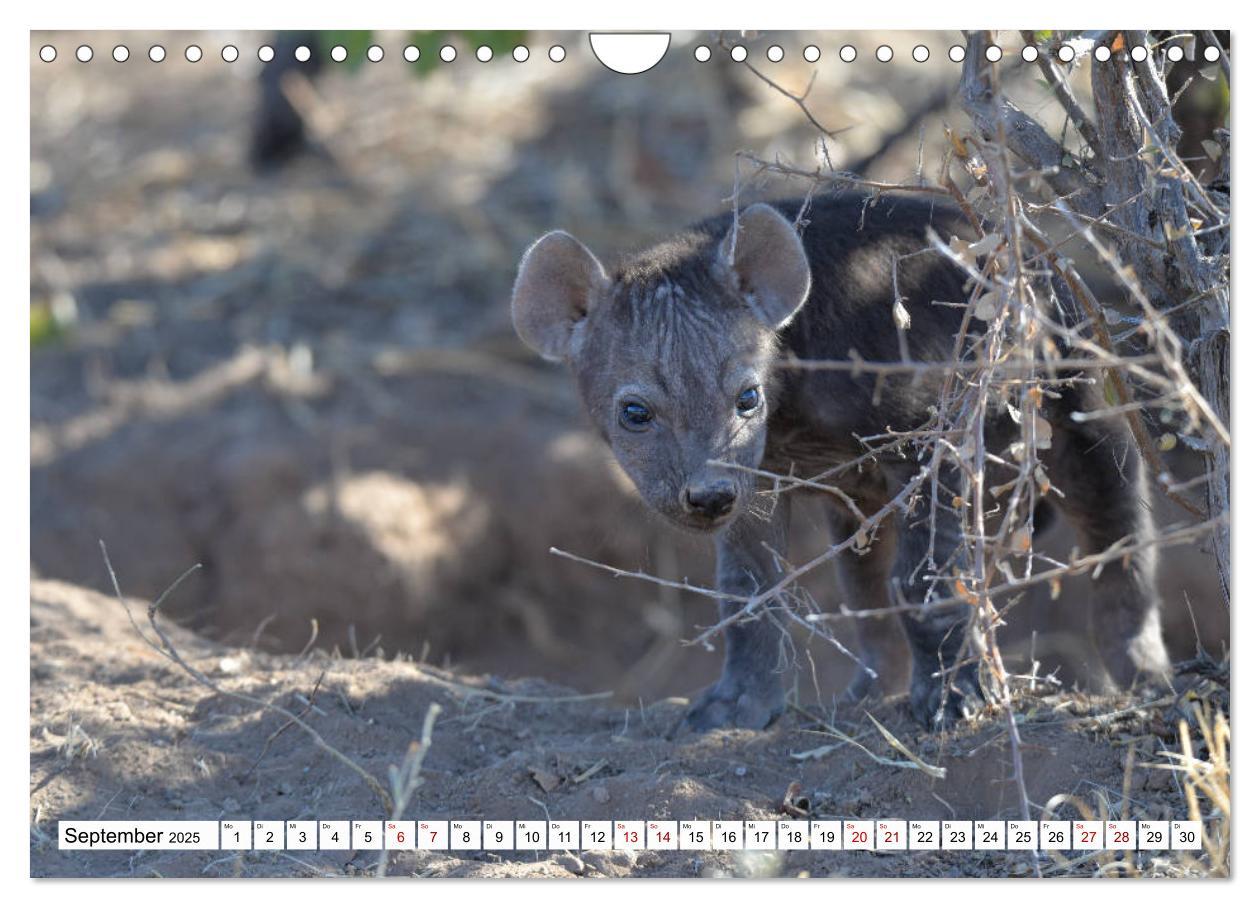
point(675, 352)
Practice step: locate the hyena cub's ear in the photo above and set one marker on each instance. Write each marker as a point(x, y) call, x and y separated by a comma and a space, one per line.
point(556, 282)
point(769, 264)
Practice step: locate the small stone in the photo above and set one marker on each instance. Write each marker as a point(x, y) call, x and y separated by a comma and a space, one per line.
point(548, 781)
point(571, 863)
point(600, 794)
point(231, 665)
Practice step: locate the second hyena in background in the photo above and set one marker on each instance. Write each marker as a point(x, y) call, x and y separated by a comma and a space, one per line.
point(674, 353)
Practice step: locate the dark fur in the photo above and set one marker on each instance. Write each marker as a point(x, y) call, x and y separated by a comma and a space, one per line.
point(681, 330)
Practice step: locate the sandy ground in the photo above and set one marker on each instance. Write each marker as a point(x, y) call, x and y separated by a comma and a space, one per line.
point(119, 732)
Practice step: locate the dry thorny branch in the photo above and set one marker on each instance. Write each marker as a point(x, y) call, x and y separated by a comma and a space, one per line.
point(1032, 323)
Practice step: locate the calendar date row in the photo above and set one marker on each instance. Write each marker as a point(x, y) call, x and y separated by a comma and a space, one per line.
point(634, 835)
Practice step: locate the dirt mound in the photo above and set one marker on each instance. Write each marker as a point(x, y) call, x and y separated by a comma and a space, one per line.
point(119, 732)
point(416, 513)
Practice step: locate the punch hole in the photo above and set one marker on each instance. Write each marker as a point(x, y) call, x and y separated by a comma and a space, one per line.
point(192, 53)
point(520, 53)
point(957, 53)
point(375, 53)
point(266, 53)
point(811, 53)
point(1211, 53)
point(301, 53)
point(557, 53)
point(83, 53)
point(628, 53)
point(1066, 54)
point(848, 53)
point(338, 54)
point(448, 53)
point(157, 53)
point(1029, 53)
point(1139, 54)
point(121, 53)
point(411, 53)
point(1102, 53)
point(1175, 53)
point(739, 53)
point(883, 53)
point(993, 53)
point(485, 54)
point(703, 54)
point(920, 53)
point(774, 53)
point(48, 53)
point(229, 53)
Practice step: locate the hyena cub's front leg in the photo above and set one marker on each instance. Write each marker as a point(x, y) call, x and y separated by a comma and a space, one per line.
point(750, 692)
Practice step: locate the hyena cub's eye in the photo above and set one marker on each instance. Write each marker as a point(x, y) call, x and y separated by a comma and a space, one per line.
point(635, 416)
point(748, 401)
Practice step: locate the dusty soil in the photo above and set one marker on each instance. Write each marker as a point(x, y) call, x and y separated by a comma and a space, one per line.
point(120, 732)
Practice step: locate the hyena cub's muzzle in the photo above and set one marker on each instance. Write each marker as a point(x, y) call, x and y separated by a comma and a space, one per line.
point(711, 500)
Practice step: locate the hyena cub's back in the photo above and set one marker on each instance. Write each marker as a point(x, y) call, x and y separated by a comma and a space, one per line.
point(866, 256)
point(677, 354)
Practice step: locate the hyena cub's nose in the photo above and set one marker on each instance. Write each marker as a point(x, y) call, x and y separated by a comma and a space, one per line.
point(713, 500)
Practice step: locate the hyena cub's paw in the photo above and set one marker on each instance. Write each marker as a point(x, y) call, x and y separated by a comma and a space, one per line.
point(728, 705)
point(1139, 665)
point(962, 702)
point(863, 687)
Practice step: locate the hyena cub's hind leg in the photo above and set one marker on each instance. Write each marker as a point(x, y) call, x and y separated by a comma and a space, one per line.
point(1106, 498)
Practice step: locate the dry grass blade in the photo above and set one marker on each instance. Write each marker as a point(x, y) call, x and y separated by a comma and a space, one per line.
point(1207, 779)
point(936, 772)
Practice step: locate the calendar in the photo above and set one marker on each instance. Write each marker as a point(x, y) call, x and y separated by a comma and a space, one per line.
point(520, 449)
point(634, 835)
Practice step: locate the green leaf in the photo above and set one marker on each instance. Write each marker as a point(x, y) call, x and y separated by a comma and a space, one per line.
point(356, 44)
point(429, 43)
point(44, 328)
point(1110, 394)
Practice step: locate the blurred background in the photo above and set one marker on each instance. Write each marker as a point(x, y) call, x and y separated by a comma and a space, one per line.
point(270, 333)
